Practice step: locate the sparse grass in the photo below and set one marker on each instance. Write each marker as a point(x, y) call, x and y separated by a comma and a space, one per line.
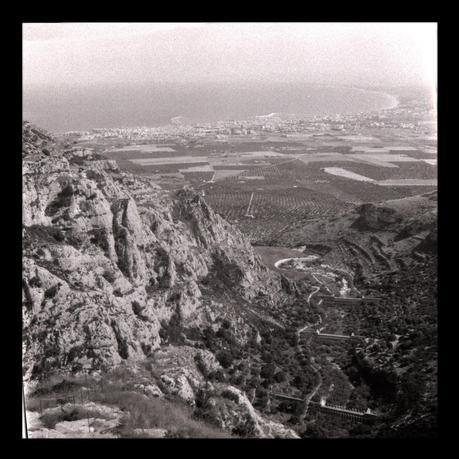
point(51, 418)
point(57, 385)
point(144, 412)
point(140, 411)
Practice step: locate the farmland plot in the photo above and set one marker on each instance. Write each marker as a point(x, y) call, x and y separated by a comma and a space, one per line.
point(405, 170)
point(347, 174)
point(222, 174)
point(273, 210)
point(146, 148)
point(197, 176)
point(171, 160)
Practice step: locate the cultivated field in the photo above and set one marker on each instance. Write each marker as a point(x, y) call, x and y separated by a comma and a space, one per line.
point(340, 172)
point(288, 180)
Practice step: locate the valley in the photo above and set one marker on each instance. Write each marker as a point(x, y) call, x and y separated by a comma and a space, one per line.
point(240, 278)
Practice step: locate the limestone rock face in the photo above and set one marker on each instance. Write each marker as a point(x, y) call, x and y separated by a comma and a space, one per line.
point(128, 238)
point(100, 422)
point(182, 371)
point(109, 259)
point(36, 142)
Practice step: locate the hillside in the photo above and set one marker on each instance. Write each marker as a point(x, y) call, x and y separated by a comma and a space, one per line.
point(116, 270)
point(372, 238)
point(390, 249)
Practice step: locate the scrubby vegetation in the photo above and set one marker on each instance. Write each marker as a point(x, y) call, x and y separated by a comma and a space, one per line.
point(74, 398)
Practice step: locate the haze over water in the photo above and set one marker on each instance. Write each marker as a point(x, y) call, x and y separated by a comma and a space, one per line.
point(142, 105)
point(85, 75)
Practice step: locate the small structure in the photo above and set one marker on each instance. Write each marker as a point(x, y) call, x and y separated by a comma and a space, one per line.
point(330, 300)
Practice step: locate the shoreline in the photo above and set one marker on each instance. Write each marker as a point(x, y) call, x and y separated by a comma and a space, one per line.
point(392, 103)
point(395, 101)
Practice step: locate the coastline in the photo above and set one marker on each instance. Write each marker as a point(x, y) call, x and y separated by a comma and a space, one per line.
point(387, 101)
point(395, 100)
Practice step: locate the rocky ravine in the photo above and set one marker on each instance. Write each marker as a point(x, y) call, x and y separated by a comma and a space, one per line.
point(110, 260)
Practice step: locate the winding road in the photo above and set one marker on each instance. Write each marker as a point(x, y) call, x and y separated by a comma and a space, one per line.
point(311, 295)
point(311, 394)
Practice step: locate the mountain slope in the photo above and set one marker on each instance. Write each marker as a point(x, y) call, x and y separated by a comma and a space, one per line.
point(90, 251)
point(115, 269)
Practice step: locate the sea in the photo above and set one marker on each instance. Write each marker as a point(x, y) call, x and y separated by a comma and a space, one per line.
point(64, 108)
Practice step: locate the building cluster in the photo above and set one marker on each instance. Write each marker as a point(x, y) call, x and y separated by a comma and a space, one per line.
point(419, 119)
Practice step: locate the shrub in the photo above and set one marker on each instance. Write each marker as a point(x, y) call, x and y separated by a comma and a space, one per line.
point(136, 308)
point(193, 333)
point(280, 377)
point(109, 276)
point(218, 376)
point(267, 371)
point(67, 191)
point(35, 282)
point(230, 395)
point(51, 292)
point(59, 236)
point(238, 380)
point(225, 358)
point(266, 383)
point(267, 357)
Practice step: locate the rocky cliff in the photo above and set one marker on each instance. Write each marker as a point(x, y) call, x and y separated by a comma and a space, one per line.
point(110, 258)
point(115, 267)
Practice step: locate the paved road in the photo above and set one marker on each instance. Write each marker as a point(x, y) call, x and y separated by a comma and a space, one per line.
point(312, 294)
point(321, 283)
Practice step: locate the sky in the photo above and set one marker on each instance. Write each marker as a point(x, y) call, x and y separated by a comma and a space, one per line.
point(365, 54)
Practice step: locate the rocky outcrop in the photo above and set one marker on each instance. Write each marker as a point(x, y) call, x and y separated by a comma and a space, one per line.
point(183, 372)
point(36, 142)
point(230, 408)
point(373, 218)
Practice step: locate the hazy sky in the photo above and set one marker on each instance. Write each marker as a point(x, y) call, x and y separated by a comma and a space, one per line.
point(79, 54)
